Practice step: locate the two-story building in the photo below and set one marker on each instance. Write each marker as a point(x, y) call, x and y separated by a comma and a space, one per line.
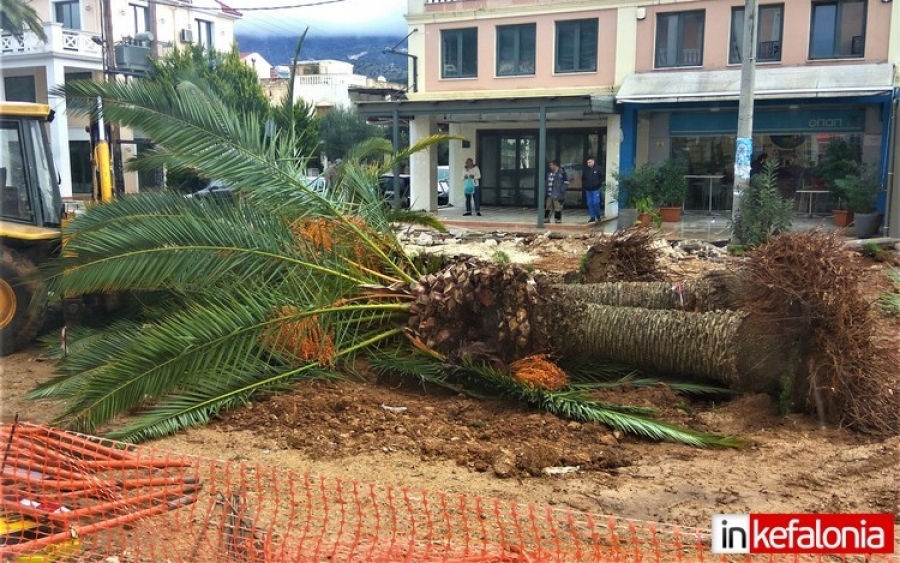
point(90, 39)
point(526, 81)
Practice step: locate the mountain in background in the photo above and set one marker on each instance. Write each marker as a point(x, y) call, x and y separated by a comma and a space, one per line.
point(366, 53)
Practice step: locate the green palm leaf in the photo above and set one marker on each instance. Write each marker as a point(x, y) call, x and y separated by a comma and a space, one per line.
point(480, 381)
point(588, 375)
point(576, 406)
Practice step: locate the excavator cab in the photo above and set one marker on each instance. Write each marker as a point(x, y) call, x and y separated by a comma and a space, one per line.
point(30, 215)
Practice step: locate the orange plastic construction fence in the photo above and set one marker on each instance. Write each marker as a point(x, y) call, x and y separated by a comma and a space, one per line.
point(71, 497)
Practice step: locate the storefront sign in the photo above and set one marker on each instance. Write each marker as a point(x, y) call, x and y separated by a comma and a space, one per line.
point(851, 120)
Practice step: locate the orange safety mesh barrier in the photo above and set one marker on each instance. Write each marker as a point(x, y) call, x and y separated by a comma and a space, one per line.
point(71, 497)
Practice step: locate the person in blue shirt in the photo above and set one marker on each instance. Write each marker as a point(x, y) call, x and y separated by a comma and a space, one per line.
point(591, 182)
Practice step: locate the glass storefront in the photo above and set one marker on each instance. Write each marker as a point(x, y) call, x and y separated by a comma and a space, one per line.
point(509, 162)
point(794, 138)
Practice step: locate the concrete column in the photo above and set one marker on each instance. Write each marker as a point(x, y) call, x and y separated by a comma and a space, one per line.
point(614, 137)
point(423, 167)
point(59, 129)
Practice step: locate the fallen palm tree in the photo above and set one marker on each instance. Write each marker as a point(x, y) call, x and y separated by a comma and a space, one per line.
point(287, 284)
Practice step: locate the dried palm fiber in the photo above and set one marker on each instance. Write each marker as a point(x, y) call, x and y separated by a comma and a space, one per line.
point(713, 292)
point(324, 235)
point(474, 301)
point(810, 282)
point(537, 371)
point(627, 255)
point(303, 340)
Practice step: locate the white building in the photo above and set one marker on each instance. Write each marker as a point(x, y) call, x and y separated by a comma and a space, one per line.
point(82, 35)
point(260, 65)
point(324, 84)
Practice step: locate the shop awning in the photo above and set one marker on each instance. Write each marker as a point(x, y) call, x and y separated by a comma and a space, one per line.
point(771, 83)
point(476, 109)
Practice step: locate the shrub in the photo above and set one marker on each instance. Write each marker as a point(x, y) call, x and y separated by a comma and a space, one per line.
point(763, 212)
point(640, 183)
point(859, 191)
point(671, 185)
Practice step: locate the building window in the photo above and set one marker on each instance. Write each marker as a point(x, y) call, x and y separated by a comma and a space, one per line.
point(679, 39)
point(515, 49)
point(68, 14)
point(140, 18)
point(80, 167)
point(459, 53)
point(576, 46)
point(205, 33)
point(769, 28)
point(838, 29)
point(20, 89)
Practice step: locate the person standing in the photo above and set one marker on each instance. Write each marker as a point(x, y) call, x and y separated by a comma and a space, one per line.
point(331, 173)
point(591, 182)
point(556, 192)
point(471, 183)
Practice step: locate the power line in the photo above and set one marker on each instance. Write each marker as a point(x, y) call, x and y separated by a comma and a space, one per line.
point(270, 8)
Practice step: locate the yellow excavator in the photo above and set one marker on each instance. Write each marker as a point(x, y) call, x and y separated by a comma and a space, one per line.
point(32, 213)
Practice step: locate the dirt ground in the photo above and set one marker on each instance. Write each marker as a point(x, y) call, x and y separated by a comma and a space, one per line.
point(403, 435)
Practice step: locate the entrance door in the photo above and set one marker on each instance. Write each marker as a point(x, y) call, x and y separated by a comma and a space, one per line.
point(516, 171)
point(509, 163)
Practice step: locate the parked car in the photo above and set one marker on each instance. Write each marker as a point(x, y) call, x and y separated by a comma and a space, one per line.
point(386, 183)
point(216, 189)
point(219, 188)
point(443, 177)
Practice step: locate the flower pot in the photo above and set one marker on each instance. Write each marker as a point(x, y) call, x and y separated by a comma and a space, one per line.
point(865, 225)
point(644, 219)
point(842, 218)
point(670, 214)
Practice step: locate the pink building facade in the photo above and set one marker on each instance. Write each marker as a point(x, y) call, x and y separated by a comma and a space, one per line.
point(526, 81)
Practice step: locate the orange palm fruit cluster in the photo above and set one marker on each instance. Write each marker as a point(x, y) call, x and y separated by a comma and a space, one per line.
point(537, 371)
point(304, 339)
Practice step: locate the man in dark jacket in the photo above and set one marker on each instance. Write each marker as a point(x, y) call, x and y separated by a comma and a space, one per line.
point(556, 192)
point(591, 182)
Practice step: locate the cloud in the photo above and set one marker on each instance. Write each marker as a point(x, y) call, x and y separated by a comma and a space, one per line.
point(343, 17)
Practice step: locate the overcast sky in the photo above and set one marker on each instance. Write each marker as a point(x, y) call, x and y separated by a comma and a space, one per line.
point(324, 17)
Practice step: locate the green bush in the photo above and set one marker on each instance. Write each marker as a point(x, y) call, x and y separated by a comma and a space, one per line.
point(639, 184)
point(763, 213)
point(671, 185)
point(859, 191)
point(840, 159)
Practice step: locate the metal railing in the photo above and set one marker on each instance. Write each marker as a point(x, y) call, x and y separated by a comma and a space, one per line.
point(59, 41)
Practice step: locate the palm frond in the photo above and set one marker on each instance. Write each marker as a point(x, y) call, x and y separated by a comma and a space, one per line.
point(590, 375)
point(576, 406)
point(208, 396)
point(426, 369)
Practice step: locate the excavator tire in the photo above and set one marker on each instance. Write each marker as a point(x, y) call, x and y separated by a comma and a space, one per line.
point(20, 319)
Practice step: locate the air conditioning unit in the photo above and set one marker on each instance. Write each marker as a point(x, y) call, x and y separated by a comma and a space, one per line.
point(187, 36)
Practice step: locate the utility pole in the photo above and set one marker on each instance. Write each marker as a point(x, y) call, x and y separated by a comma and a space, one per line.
point(743, 147)
point(115, 134)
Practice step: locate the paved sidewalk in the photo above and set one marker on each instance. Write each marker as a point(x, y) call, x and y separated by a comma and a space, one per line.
point(693, 224)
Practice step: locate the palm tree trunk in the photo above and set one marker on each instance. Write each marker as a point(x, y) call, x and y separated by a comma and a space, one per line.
point(727, 347)
point(715, 292)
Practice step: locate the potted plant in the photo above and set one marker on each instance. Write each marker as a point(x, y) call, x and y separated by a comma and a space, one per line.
point(638, 186)
point(840, 159)
point(647, 212)
point(860, 192)
point(670, 190)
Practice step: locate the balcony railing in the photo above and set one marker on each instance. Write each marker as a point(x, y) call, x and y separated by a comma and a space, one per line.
point(60, 41)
